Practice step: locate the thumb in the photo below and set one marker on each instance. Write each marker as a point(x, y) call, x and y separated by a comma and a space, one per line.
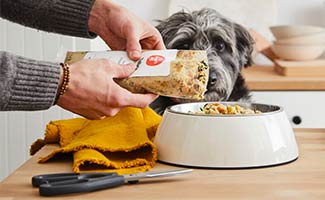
point(133, 46)
point(123, 71)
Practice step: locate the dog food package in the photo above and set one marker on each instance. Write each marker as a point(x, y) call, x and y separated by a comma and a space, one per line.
point(172, 73)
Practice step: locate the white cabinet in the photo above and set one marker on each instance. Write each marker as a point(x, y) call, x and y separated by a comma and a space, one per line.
point(305, 109)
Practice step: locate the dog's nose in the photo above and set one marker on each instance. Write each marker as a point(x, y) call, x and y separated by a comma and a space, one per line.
point(212, 80)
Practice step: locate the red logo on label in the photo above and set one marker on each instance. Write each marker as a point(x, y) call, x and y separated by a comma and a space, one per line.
point(154, 60)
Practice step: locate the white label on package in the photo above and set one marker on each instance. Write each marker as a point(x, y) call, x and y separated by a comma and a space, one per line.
point(152, 63)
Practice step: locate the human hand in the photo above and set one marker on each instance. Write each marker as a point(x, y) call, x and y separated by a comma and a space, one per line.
point(94, 94)
point(122, 30)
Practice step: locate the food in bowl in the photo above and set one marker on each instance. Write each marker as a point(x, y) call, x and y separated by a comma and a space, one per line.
point(219, 108)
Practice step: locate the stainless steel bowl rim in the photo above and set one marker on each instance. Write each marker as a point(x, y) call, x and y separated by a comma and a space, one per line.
point(277, 109)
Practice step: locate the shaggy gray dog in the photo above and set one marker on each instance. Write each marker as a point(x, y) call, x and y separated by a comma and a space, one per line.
point(229, 47)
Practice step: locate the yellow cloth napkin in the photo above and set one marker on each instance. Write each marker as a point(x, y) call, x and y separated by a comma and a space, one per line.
point(122, 143)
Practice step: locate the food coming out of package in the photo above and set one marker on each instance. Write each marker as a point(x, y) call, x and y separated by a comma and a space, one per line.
point(172, 73)
point(221, 109)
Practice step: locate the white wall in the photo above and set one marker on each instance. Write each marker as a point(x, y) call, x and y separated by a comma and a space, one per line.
point(283, 12)
point(19, 129)
point(310, 12)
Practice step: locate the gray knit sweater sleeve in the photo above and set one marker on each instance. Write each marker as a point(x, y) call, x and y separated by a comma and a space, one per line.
point(27, 84)
point(68, 17)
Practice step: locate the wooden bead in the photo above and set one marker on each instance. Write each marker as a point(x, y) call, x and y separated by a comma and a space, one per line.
point(65, 81)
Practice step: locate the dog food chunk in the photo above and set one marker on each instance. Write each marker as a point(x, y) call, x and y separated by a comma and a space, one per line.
point(188, 74)
point(221, 109)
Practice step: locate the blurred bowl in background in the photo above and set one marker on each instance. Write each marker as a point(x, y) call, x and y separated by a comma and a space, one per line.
point(311, 39)
point(287, 31)
point(297, 52)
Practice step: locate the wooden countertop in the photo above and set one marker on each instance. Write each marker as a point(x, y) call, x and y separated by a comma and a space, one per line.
point(264, 78)
point(301, 179)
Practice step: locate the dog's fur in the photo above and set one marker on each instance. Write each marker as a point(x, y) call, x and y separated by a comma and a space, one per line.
point(229, 47)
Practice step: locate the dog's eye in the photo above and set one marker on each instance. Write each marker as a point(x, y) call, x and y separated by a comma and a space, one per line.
point(220, 45)
point(182, 45)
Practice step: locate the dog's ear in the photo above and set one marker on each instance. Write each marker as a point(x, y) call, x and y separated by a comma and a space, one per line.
point(245, 45)
point(169, 27)
point(174, 21)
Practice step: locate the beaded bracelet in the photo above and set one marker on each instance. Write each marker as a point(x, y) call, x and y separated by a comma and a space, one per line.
point(65, 81)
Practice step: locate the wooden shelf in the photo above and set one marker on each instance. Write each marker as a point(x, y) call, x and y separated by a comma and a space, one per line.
point(265, 78)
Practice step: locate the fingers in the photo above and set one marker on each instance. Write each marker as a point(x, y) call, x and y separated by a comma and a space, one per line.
point(98, 115)
point(159, 43)
point(141, 100)
point(110, 112)
point(133, 46)
point(136, 100)
point(123, 71)
point(89, 114)
point(124, 99)
point(134, 41)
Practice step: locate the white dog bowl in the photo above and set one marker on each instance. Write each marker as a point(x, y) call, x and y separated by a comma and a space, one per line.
point(297, 52)
point(225, 141)
point(287, 31)
point(311, 39)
